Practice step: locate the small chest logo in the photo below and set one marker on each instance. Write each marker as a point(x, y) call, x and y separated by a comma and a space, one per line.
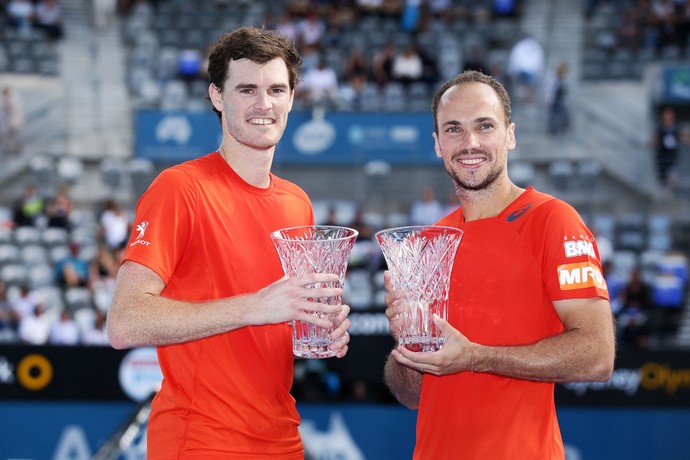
point(518, 212)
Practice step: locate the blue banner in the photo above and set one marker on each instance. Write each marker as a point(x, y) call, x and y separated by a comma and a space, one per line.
point(676, 84)
point(332, 139)
point(75, 431)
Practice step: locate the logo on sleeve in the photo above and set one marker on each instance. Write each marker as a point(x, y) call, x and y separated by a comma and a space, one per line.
point(578, 248)
point(579, 276)
point(141, 228)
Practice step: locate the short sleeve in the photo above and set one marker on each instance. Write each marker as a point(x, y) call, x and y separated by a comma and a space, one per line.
point(163, 223)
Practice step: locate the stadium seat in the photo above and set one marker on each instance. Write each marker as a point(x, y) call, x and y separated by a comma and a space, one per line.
point(25, 236)
point(77, 297)
point(668, 291)
point(34, 254)
point(41, 275)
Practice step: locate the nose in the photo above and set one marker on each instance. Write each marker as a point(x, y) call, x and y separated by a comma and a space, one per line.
point(263, 101)
point(471, 140)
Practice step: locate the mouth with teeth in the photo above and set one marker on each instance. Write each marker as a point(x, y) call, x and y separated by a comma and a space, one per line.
point(470, 161)
point(261, 121)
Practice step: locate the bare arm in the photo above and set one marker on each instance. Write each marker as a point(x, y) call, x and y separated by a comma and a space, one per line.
point(585, 351)
point(139, 315)
point(405, 383)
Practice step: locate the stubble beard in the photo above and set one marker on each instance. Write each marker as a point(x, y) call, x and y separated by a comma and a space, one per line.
point(467, 186)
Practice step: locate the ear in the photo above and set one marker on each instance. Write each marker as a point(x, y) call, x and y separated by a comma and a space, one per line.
point(216, 97)
point(437, 147)
point(511, 136)
point(292, 99)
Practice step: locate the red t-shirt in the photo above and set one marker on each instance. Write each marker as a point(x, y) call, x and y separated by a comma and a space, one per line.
point(507, 272)
point(205, 232)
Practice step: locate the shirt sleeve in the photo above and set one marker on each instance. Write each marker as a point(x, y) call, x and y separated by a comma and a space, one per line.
point(572, 268)
point(163, 223)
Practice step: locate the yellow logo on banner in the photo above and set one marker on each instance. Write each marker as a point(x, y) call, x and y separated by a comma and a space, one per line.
point(34, 372)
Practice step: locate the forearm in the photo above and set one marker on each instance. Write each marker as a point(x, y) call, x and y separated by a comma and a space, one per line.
point(567, 357)
point(140, 316)
point(157, 321)
point(405, 383)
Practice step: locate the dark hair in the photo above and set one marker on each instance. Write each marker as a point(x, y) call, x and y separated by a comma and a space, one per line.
point(472, 76)
point(256, 44)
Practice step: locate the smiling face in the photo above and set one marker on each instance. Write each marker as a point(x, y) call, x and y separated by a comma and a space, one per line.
point(473, 139)
point(254, 104)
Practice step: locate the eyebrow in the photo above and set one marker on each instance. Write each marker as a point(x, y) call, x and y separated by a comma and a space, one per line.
point(241, 86)
point(475, 121)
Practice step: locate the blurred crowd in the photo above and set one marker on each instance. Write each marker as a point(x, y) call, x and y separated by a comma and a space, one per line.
point(26, 15)
point(57, 290)
point(655, 24)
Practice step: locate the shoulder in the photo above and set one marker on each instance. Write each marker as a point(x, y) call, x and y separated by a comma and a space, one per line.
point(285, 186)
point(187, 173)
point(541, 209)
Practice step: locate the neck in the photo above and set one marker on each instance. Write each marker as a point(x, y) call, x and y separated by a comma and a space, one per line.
point(254, 166)
point(483, 204)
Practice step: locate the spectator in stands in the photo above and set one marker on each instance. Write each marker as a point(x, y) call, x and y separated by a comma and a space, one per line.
point(332, 216)
point(11, 122)
point(34, 328)
point(311, 31)
point(382, 64)
point(664, 19)
point(115, 224)
point(366, 231)
point(474, 60)
point(24, 302)
point(452, 203)
point(189, 64)
point(636, 309)
point(96, 333)
point(72, 270)
point(338, 28)
point(20, 14)
point(311, 56)
point(514, 326)
point(65, 330)
point(48, 18)
point(683, 25)
point(666, 141)
point(440, 9)
point(555, 99)
point(411, 17)
point(287, 26)
point(320, 86)
point(60, 208)
point(29, 207)
point(525, 67)
point(629, 28)
point(356, 65)
point(8, 317)
point(351, 91)
point(201, 279)
point(103, 270)
point(408, 66)
point(369, 7)
point(430, 71)
point(504, 8)
point(427, 209)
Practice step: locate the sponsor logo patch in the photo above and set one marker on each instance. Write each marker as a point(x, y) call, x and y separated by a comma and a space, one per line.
point(579, 276)
point(141, 228)
point(578, 248)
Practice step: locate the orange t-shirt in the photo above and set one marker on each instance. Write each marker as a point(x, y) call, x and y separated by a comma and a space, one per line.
point(507, 272)
point(205, 232)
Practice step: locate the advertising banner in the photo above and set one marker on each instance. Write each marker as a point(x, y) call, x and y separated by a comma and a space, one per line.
point(326, 139)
